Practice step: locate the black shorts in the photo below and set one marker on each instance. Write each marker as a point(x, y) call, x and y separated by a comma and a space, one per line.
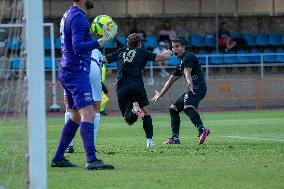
point(133, 91)
point(189, 98)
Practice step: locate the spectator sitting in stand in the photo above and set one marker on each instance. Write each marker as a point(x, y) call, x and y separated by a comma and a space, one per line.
point(167, 33)
point(226, 41)
point(162, 47)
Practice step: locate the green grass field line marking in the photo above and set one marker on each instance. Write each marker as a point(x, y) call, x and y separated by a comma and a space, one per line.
point(254, 138)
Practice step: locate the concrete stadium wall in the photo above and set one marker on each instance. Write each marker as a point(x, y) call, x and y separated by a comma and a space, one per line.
point(239, 89)
point(225, 91)
point(187, 17)
point(164, 8)
point(167, 8)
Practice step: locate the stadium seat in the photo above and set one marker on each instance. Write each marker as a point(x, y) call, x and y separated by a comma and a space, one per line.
point(209, 41)
point(148, 64)
point(243, 59)
point(274, 39)
point(173, 61)
point(230, 59)
point(109, 45)
point(255, 58)
point(112, 65)
point(57, 43)
point(14, 43)
point(47, 63)
point(151, 42)
point(216, 60)
point(16, 63)
point(197, 41)
point(280, 57)
point(235, 36)
point(282, 39)
point(47, 43)
point(201, 57)
point(121, 41)
point(250, 39)
point(261, 40)
point(269, 58)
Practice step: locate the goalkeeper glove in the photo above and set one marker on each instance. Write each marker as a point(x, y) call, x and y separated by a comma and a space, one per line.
point(108, 34)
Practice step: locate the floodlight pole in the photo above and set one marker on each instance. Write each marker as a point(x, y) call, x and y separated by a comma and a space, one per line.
point(54, 107)
point(217, 24)
point(33, 17)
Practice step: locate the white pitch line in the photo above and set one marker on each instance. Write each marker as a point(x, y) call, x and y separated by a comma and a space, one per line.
point(254, 138)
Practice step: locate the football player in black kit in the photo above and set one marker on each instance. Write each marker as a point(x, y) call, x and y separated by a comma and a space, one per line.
point(190, 68)
point(131, 94)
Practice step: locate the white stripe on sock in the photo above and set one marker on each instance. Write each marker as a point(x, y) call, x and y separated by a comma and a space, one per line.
point(96, 126)
point(67, 116)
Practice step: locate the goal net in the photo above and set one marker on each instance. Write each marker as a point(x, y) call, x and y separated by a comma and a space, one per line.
point(22, 107)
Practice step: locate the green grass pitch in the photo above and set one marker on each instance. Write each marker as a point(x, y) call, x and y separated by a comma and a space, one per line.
point(244, 150)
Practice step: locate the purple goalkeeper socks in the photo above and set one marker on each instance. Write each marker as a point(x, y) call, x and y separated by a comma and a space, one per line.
point(68, 133)
point(87, 133)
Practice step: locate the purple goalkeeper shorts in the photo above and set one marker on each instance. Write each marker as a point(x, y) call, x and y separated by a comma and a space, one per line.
point(77, 88)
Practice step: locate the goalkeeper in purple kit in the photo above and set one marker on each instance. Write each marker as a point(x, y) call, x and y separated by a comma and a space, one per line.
point(77, 44)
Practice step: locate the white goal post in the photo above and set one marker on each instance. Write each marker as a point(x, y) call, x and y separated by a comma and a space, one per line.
point(33, 12)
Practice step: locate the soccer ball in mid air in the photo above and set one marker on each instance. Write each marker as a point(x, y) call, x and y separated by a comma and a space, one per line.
point(98, 24)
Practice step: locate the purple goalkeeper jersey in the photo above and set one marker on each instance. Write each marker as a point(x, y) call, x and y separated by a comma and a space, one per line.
point(77, 42)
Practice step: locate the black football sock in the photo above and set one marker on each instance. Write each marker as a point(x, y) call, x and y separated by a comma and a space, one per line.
point(148, 126)
point(195, 118)
point(175, 122)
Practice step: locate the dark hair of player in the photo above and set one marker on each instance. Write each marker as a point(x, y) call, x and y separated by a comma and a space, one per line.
point(133, 40)
point(182, 42)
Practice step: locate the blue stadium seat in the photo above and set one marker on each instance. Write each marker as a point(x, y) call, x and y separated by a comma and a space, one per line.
point(112, 65)
point(235, 36)
point(250, 39)
point(274, 39)
point(230, 59)
point(149, 64)
point(14, 43)
point(209, 41)
point(47, 43)
point(282, 39)
point(197, 41)
point(47, 63)
point(57, 43)
point(280, 58)
point(109, 45)
point(216, 59)
point(269, 58)
point(151, 42)
point(243, 59)
point(261, 40)
point(202, 60)
point(173, 61)
point(255, 58)
point(122, 41)
point(16, 63)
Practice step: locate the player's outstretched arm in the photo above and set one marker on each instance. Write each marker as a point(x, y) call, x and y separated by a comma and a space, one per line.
point(163, 56)
point(166, 87)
